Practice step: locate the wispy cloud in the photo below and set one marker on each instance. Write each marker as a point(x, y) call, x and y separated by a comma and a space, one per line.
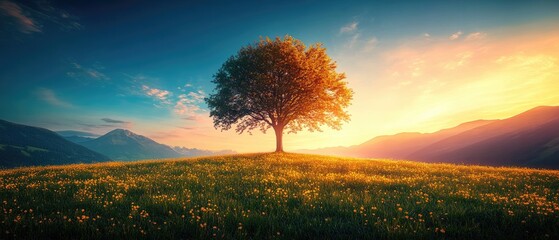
point(371, 44)
point(188, 104)
point(185, 102)
point(158, 94)
point(63, 19)
point(32, 16)
point(476, 36)
point(461, 60)
point(110, 120)
point(48, 96)
point(349, 28)
point(197, 96)
point(191, 118)
point(80, 72)
point(25, 23)
point(455, 35)
point(100, 126)
point(359, 44)
point(352, 42)
point(184, 88)
point(357, 40)
point(112, 123)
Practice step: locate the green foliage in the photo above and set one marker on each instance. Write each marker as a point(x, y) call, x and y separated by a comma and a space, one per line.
point(285, 196)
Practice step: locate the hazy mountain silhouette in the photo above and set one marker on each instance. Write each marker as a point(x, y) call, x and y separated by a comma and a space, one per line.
point(124, 145)
point(22, 145)
point(77, 136)
point(393, 145)
point(194, 152)
point(78, 139)
point(117, 148)
point(68, 133)
point(527, 139)
point(398, 146)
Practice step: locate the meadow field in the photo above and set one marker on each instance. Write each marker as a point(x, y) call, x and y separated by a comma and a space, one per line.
point(283, 196)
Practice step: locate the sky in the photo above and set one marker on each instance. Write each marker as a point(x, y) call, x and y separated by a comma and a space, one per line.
point(145, 66)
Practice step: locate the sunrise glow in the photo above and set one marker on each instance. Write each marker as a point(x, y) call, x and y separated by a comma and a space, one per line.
point(366, 119)
point(412, 69)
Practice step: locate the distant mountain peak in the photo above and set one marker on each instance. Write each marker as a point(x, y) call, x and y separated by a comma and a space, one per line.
point(120, 131)
point(122, 144)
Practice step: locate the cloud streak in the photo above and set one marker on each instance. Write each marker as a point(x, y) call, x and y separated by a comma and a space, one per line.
point(25, 23)
point(48, 96)
point(356, 40)
point(191, 118)
point(32, 17)
point(110, 120)
point(349, 28)
point(63, 19)
point(455, 35)
point(188, 104)
point(81, 72)
point(476, 36)
point(371, 44)
point(158, 94)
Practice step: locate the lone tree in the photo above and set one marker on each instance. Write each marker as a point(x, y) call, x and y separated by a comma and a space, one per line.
point(281, 84)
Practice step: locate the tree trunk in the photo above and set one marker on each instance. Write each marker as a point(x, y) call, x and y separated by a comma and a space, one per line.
point(279, 138)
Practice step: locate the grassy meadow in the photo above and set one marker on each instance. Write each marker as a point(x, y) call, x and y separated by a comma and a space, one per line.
point(284, 196)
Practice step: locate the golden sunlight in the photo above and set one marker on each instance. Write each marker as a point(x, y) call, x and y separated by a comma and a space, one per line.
point(427, 84)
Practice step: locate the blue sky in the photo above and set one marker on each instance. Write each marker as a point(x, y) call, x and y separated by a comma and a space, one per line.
point(143, 65)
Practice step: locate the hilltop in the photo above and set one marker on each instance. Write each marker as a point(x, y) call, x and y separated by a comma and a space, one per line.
point(286, 196)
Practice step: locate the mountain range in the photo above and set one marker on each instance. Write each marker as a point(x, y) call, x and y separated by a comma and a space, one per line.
point(77, 136)
point(22, 145)
point(124, 145)
point(529, 139)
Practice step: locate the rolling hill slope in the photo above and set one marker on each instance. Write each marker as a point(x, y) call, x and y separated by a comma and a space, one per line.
point(280, 196)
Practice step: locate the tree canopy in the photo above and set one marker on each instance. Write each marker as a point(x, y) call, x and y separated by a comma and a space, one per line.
point(280, 84)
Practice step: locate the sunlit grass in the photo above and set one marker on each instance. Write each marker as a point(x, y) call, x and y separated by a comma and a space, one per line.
point(279, 196)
